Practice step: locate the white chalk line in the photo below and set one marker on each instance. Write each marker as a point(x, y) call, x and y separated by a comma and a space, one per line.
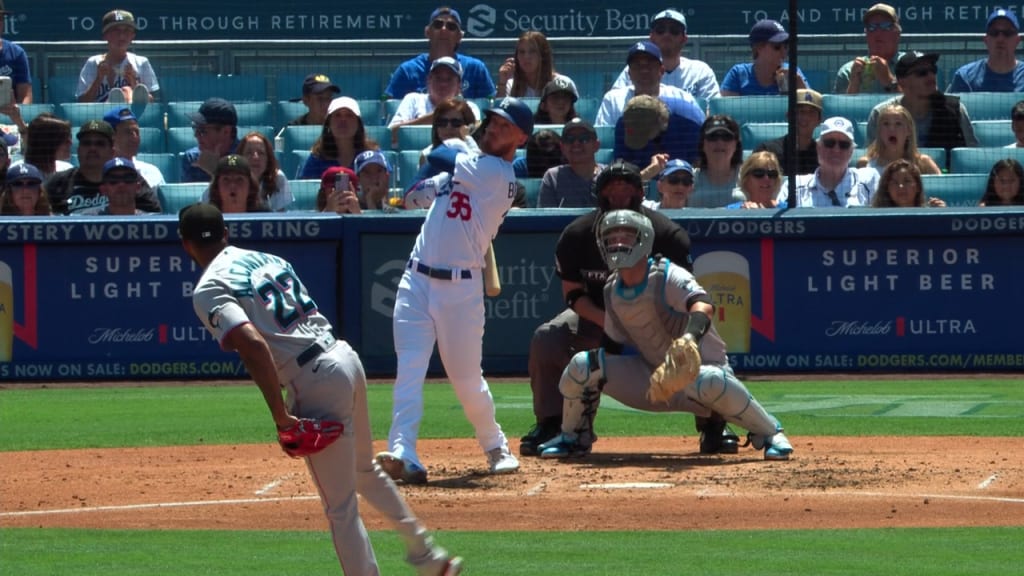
point(121, 508)
point(988, 482)
point(270, 486)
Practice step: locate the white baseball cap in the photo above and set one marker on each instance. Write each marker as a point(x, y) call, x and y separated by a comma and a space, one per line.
point(346, 103)
point(837, 124)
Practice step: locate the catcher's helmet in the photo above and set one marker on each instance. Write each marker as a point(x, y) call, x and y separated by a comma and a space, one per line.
point(624, 238)
point(619, 170)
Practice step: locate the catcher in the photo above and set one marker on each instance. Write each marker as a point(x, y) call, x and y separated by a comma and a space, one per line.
point(657, 311)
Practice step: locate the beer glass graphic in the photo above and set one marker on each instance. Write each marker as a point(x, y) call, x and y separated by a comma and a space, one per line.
point(6, 313)
point(726, 277)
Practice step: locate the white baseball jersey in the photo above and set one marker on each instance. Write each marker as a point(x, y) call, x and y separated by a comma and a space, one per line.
point(693, 76)
point(242, 286)
point(143, 70)
point(468, 208)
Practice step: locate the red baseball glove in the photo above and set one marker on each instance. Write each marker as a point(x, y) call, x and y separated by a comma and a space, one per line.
point(308, 436)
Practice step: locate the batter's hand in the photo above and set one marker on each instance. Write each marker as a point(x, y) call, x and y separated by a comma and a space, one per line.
point(679, 369)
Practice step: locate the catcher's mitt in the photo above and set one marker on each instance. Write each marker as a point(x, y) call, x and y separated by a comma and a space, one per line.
point(308, 436)
point(679, 369)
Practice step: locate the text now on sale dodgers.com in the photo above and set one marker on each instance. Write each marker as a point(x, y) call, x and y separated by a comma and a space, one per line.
point(35, 371)
point(875, 362)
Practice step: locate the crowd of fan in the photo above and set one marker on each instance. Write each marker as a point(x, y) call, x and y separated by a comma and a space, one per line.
point(657, 109)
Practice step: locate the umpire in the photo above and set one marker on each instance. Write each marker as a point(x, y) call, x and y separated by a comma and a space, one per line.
point(580, 326)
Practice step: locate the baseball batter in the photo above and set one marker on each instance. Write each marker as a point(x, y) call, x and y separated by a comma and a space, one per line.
point(255, 304)
point(649, 302)
point(440, 295)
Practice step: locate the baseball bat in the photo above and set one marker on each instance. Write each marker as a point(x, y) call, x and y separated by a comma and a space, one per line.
point(492, 285)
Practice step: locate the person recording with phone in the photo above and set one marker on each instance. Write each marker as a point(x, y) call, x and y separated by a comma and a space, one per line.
point(339, 191)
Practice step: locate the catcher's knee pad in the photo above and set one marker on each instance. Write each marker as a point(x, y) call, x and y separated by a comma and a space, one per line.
point(718, 388)
point(583, 375)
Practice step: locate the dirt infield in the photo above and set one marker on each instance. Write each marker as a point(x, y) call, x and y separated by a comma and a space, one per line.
point(627, 484)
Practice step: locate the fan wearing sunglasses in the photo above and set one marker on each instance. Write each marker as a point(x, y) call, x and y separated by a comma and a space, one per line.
point(873, 74)
point(444, 34)
point(452, 118)
point(1000, 71)
point(760, 180)
point(834, 183)
point(941, 121)
point(767, 74)
point(675, 184)
point(668, 33)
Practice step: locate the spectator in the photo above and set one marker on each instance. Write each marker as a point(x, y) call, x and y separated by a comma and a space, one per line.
point(1017, 124)
point(233, 190)
point(342, 199)
point(941, 121)
point(342, 138)
point(215, 126)
point(897, 139)
point(720, 156)
point(1005, 185)
point(874, 73)
point(258, 152)
point(444, 33)
point(648, 127)
point(5, 160)
point(543, 151)
point(47, 144)
point(531, 68)
point(121, 183)
point(453, 118)
point(77, 191)
point(1001, 71)
point(675, 184)
point(127, 139)
point(418, 109)
point(668, 33)
point(557, 103)
point(808, 117)
point(14, 63)
point(645, 70)
point(768, 74)
point(373, 173)
point(760, 181)
point(834, 183)
point(317, 93)
point(117, 75)
point(23, 192)
point(571, 184)
point(901, 187)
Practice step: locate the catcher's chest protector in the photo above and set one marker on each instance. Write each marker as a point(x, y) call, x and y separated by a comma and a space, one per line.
point(645, 317)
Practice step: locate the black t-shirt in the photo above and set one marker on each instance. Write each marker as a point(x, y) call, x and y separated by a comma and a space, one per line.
point(806, 158)
point(71, 193)
point(578, 258)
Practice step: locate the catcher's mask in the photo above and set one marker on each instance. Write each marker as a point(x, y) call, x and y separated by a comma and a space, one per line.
point(626, 172)
point(624, 238)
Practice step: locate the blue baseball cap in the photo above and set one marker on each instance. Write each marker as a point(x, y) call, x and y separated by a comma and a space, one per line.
point(449, 63)
point(23, 171)
point(768, 31)
point(119, 163)
point(516, 112)
point(1003, 13)
point(368, 157)
point(644, 47)
point(675, 165)
point(115, 116)
point(445, 11)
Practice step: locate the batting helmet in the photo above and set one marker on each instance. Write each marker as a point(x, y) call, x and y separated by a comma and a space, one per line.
point(624, 238)
point(619, 170)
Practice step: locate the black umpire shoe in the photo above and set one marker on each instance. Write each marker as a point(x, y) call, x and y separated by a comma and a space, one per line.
point(717, 438)
point(540, 433)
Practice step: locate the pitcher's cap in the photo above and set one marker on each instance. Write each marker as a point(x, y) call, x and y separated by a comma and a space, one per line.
point(201, 222)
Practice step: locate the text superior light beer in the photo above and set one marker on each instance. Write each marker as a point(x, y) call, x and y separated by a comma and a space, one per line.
point(6, 313)
point(726, 277)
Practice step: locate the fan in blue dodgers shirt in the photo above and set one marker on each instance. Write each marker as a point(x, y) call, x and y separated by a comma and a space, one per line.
point(1000, 71)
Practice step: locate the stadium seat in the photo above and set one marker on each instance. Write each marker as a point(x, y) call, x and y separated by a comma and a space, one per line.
point(956, 189)
point(181, 138)
point(199, 87)
point(174, 197)
point(407, 166)
point(531, 101)
point(754, 133)
point(994, 133)
point(586, 108)
point(79, 113)
point(532, 187)
point(168, 164)
point(980, 160)
point(371, 111)
point(249, 113)
point(853, 107)
point(414, 137)
point(361, 86)
point(60, 88)
point(292, 161)
point(300, 137)
point(605, 155)
point(304, 192)
point(30, 111)
point(747, 109)
point(989, 105)
point(937, 154)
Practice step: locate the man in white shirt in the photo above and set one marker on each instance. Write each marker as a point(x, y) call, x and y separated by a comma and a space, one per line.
point(668, 33)
point(644, 63)
point(834, 183)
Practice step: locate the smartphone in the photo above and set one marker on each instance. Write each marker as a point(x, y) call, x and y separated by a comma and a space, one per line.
point(6, 90)
point(341, 181)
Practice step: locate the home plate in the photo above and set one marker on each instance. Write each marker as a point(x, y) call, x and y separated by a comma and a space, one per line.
point(626, 486)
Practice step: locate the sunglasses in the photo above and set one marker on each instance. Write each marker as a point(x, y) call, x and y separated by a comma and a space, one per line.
point(584, 139)
point(719, 137)
point(922, 72)
point(673, 30)
point(449, 122)
point(832, 143)
point(779, 47)
point(883, 26)
point(761, 173)
point(677, 180)
point(450, 25)
point(120, 179)
point(26, 184)
point(93, 142)
point(1004, 32)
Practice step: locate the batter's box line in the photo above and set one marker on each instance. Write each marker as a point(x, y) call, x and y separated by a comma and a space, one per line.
point(154, 506)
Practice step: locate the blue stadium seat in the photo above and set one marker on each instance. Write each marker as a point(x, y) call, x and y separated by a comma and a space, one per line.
point(853, 107)
point(249, 113)
point(586, 108)
point(199, 87)
point(305, 193)
point(994, 133)
point(181, 138)
point(531, 101)
point(605, 155)
point(989, 105)
point(30, 111)
point(168, 164)
point(754, 133)
point(413, 138)
point(292, 161)
point(747, 109)
point(407, 166)
point(361, 86)
point(937, 154)
point(371, 111)
point(300, 137)
point(174, 197)
point(79, 113)
point(860, 134)
point(980, 160)
point(956, 189)
point(591, 83)
point(532, 186)
point(60, 88)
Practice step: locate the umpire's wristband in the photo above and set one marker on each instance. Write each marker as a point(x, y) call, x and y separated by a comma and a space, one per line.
point(697, 325)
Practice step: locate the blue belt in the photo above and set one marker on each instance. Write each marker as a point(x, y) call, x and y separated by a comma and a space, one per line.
point(439, 273)
point(315, 350)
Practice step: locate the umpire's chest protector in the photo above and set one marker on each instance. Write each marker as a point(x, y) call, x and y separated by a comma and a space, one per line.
point(643, 315)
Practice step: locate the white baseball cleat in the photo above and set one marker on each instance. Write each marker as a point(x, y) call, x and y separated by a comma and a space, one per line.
point(453, 567)
point(502, 461)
